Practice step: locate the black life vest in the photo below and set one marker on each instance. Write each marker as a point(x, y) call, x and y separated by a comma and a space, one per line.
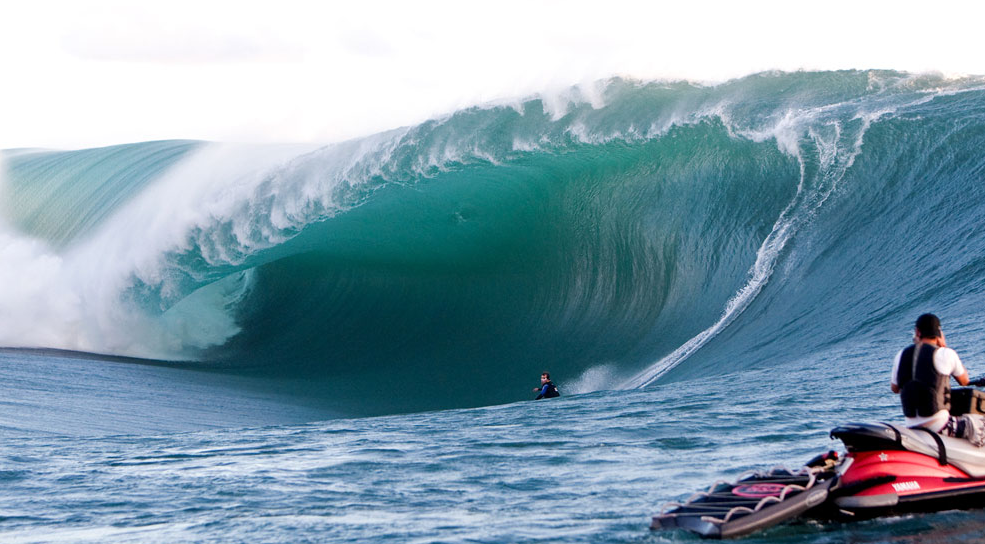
point(923, 390)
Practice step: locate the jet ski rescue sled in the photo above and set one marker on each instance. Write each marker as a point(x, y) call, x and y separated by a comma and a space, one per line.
point(886, 470)
point(755, 501)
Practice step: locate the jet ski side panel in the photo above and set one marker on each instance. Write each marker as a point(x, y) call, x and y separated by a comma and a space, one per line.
point(902, 481)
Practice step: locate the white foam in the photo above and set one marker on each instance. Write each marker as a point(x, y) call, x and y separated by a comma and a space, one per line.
point(525, 146)
point(49, 300)
point(77, 298)
point(37, 308)
point(30, 288)
point(558, 103)
point(596, 378)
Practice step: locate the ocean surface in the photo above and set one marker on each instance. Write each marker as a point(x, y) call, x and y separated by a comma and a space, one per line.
point(209, 342)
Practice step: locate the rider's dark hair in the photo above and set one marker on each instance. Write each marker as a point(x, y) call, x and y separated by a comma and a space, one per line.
point(929, 326)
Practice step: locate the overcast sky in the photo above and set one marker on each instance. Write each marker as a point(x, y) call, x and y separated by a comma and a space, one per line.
point(87, 73)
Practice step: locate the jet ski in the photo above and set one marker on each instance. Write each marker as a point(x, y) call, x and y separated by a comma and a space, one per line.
point(885, 469)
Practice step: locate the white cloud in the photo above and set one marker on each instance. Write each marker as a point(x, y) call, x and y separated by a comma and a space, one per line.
point(176, 32)
point(96, 72)
point(189, 44)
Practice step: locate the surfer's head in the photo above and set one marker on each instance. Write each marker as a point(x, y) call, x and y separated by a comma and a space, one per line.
point(928, 326)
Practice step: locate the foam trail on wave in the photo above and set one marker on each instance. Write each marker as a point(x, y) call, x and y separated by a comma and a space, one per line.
point(760, 273)
point(829, 137)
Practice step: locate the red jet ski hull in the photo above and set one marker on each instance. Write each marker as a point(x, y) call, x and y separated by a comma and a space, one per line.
point(880, 482)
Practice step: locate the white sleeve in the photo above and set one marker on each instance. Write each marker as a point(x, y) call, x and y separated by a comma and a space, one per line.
point(896, 368)
point(947, 362)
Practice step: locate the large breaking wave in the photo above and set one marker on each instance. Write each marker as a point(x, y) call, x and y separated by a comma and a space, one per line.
point(615, 234)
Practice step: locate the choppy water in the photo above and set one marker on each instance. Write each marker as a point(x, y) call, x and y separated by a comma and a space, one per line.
point(588, 468)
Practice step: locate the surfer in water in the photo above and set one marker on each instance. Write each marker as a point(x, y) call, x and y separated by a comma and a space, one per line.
point(547, 389)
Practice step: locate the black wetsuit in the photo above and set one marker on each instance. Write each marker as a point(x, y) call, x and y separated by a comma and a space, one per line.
point(549, 391)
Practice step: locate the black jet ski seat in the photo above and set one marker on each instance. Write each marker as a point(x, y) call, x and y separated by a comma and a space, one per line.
point(883, 436)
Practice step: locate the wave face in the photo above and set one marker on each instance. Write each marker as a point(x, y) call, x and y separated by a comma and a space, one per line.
point(616, 235)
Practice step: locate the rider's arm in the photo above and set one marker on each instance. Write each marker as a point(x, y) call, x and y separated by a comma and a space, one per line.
point(892, 383)
point(954, 362)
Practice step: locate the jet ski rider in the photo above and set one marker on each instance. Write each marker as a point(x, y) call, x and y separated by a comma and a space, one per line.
point(922, 374)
